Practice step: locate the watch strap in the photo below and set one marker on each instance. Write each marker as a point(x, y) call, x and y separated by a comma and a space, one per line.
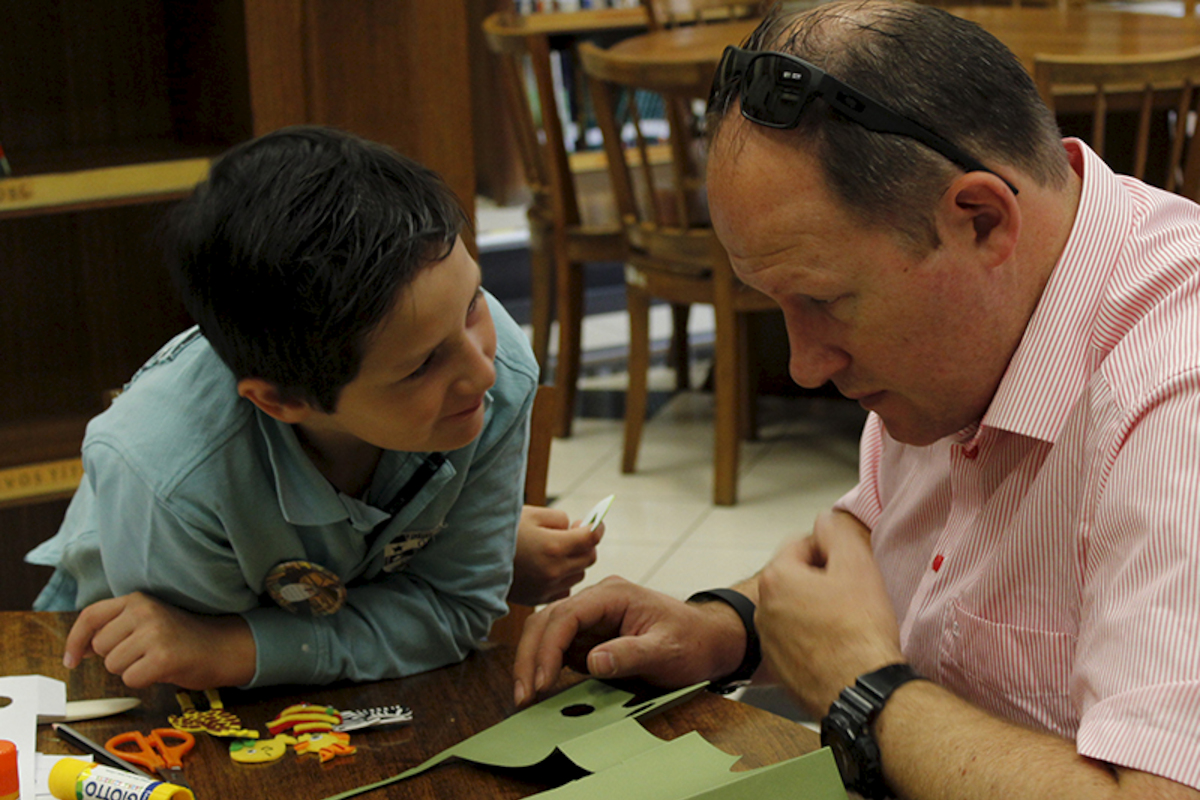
point(880, 683)
point(859, 705)
point(752, 657)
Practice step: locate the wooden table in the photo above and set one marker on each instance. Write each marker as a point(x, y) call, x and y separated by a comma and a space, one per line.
point(1026, 31)
point(449, 705)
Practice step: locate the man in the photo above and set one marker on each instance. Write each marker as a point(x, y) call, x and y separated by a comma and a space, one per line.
point(1021, 323)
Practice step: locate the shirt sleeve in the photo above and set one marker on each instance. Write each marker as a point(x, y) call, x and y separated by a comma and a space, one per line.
point(1138, 654)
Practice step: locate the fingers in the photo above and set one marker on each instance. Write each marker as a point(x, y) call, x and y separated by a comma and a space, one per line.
point(592, 616)
point(93, 619)
point(546, 517)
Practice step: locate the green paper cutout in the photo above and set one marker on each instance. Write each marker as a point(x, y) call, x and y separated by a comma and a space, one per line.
point(690, 768)
point(531, 736)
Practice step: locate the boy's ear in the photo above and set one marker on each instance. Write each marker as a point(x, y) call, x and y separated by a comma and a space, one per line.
point(265, 395)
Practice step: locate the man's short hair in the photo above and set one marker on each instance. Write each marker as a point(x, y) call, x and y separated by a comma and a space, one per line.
point(295, 248)
point(938, 70)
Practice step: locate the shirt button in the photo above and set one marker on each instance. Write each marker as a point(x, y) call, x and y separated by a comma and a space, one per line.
point(937, 562)
point(971, 452)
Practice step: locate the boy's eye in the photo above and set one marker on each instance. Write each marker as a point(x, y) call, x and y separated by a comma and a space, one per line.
point(421, 370)
point(475, 301)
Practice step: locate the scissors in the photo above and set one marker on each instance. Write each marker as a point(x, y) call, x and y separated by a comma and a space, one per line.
point(162, 751)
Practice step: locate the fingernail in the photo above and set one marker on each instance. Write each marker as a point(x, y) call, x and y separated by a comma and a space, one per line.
point(519, 693)
point(602, 664)
point(538, 678)
point(69, 662)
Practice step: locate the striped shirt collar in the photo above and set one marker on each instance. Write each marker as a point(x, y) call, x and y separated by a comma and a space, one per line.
point(1025, 403)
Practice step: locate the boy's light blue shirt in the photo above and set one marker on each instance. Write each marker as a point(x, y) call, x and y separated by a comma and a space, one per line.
point(192, 495)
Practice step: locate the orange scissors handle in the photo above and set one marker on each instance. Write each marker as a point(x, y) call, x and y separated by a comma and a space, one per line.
point(172, 744)
point(144, 755)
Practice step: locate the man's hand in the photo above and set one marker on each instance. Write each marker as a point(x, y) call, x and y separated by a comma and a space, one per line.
point(552, 555)
point(824, 616)
point(146, 641)
point(618, 629)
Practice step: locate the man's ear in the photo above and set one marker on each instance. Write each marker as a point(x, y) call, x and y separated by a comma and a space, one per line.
point(265, 395)
point(981, 211)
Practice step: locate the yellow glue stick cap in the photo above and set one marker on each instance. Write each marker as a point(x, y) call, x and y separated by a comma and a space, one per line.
point(10, 777)
point(63, 775)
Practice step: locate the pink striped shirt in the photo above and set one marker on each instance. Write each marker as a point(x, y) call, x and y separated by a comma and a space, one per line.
point(1045, 563)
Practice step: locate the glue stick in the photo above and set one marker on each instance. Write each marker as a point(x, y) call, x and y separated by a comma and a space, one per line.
point(72, 779)
point(10, 779)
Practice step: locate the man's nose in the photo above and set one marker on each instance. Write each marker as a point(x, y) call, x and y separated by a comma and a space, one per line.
point(813, 362)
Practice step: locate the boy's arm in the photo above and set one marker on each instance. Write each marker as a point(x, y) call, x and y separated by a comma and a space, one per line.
point(146, 641)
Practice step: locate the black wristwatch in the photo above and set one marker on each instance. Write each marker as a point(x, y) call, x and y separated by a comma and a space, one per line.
point(752, 656)
point(847, 728)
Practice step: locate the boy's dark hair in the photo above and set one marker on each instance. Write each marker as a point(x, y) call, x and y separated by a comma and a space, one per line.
point(939, 70)
point(294, 249)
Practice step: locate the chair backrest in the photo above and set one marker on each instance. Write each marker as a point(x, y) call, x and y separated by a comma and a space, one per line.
point(539, 135)
point(672, 13)
point(1159, 90)
point(655, 163)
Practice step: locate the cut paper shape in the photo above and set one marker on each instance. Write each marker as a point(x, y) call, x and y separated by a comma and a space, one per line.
point(260, 751)
point(215, 722)
point(305, 718)
point(596, 515)
point(356, 718)
point(691, 768)
point(326, 745)
point(533, 735)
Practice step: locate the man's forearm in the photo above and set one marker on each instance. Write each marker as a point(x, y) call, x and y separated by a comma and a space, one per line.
point(935, 745)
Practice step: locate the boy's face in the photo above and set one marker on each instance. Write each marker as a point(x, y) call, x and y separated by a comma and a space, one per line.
point(426, 367)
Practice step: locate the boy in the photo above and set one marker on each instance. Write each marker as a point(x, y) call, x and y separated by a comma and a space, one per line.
point(323, 480)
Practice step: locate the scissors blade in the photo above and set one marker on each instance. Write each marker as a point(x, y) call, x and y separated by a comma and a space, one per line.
point(174, 775)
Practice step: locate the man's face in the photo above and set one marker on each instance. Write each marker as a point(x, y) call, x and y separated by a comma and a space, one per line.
point(426, 367)
point(921, 339)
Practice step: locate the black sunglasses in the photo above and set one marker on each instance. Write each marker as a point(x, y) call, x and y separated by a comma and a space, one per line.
point(775, 88)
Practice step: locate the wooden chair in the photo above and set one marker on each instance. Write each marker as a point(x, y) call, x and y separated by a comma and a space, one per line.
point(508, 629)
point(562, 242)
point(673, 253)
point(1143, 86)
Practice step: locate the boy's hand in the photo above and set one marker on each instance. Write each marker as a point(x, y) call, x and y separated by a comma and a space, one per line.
point(146, 641)
point(552, 556)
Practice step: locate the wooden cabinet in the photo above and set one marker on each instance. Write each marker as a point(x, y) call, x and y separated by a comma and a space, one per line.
point(85, 85)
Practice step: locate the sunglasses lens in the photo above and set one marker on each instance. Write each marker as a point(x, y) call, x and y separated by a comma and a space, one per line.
point(774, 91)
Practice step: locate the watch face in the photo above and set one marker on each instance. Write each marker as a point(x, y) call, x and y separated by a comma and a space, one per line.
point(838, 734)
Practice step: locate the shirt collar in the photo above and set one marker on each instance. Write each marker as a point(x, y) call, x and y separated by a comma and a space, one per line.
point(305, 496)
point(1051, 366)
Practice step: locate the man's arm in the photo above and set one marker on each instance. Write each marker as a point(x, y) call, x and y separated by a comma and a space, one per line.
point(935, 745)
point(825, 619)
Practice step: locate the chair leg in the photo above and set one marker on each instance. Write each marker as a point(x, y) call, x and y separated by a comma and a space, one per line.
point(726, 370)
point(747, 378)
point(570, 334)
point(638, 304)
point(680, 350)
point(541, 263)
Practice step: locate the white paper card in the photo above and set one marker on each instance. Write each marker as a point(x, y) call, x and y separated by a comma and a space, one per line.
point(30, 695)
